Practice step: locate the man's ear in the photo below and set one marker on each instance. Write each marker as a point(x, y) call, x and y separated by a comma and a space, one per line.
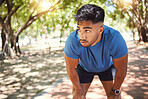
point(101, 29)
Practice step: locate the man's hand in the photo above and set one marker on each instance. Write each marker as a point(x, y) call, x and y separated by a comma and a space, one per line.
point(113, 96)
point(78, 94)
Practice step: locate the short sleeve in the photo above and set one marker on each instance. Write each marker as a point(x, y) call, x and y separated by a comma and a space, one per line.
point(71, 47)
point(118, 47)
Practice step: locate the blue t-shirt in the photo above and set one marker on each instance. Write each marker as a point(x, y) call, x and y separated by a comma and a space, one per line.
point(97, 58)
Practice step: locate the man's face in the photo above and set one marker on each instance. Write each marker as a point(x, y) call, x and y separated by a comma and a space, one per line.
point(89, 33)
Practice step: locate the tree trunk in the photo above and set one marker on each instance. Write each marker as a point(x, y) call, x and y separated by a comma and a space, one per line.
point(3, 38)
point(139, 34)
point(133, 34)
point(15, 45)
point(7, 51)
point(143, 34)
point(10, 45)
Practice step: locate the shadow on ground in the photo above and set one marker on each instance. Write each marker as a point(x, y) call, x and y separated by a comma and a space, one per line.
point(134, 86)
point(136, 82)
point(20, 79)
point(35, 70)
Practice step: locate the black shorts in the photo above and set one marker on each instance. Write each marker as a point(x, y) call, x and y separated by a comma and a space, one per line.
point(87, 77)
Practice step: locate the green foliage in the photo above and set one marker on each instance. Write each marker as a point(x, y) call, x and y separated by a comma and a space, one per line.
point(3, 10)
point(133, 12)
point(61, 19)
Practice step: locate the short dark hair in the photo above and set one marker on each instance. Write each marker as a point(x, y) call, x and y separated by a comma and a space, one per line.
point(90, 12)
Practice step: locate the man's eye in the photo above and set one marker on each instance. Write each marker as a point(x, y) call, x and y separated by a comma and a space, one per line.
point(87, 31)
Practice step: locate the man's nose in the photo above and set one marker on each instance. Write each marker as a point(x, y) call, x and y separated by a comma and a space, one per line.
point(83, 35)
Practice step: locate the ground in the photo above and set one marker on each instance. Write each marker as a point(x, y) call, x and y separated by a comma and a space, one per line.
point(36, 70)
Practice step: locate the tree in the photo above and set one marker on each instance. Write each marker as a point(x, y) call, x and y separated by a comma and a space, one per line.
point(18, 15)
point(10, 36)
point(137, 11)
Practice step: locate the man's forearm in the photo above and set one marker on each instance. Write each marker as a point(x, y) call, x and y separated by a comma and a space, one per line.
point(71, 71)
point(73, 75)
point(119, 78)
point(121, 66)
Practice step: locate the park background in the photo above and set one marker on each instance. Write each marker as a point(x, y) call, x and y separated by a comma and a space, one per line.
point(33, 35)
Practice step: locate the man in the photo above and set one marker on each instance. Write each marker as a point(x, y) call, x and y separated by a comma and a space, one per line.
point(95, 49)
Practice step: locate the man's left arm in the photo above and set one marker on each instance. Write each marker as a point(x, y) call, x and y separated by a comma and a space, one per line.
point(121, 66)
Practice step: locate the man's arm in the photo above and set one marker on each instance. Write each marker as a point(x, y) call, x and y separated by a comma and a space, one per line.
point(71, 65)
point(121, 66)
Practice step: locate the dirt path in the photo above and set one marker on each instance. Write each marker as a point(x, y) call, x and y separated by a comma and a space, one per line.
point(135, 85)
point(136, 82)
point(36, 70)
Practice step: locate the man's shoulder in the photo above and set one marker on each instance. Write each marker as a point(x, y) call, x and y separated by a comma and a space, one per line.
point(73, 35)
point(109, 32)
point(73, 38)
point(71, 48)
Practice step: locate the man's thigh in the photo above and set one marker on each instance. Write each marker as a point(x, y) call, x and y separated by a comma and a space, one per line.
point(107, 78)
point(108, 75)
point(84, 76)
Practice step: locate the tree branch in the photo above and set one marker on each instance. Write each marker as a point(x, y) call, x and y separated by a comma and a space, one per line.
point(8, 6)
point(131, 18)
point(146, 11)
point(135, 15)
point(134, 20)
point(1, 20)
point(34, 8)
point(12, 12)
point(44, 12)
point(36, 17)
point(2, 23)
point(2, 1)
point(30, 22)
point(23, 27)
point(31, 18)
point(135, 11)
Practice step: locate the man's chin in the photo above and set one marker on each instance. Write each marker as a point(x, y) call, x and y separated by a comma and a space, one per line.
point(85, 45)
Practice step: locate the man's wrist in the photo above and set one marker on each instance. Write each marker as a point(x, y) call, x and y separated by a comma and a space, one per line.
point(116, 91)
point(78, 89)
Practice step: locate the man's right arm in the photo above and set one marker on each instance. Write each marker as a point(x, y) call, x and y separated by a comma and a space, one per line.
point(71, 65)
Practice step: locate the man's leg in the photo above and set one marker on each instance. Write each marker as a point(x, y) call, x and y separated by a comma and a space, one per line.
point(108, 87)
point(84, 86)
point(107, 78)
point(85, 78)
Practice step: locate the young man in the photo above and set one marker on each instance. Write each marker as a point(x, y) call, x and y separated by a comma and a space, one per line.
point(95, 49)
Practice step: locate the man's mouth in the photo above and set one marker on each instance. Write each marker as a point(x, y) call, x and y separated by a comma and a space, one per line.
point(83, 42)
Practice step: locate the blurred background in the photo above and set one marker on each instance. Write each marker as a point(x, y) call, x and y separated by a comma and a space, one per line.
point(33, 34)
